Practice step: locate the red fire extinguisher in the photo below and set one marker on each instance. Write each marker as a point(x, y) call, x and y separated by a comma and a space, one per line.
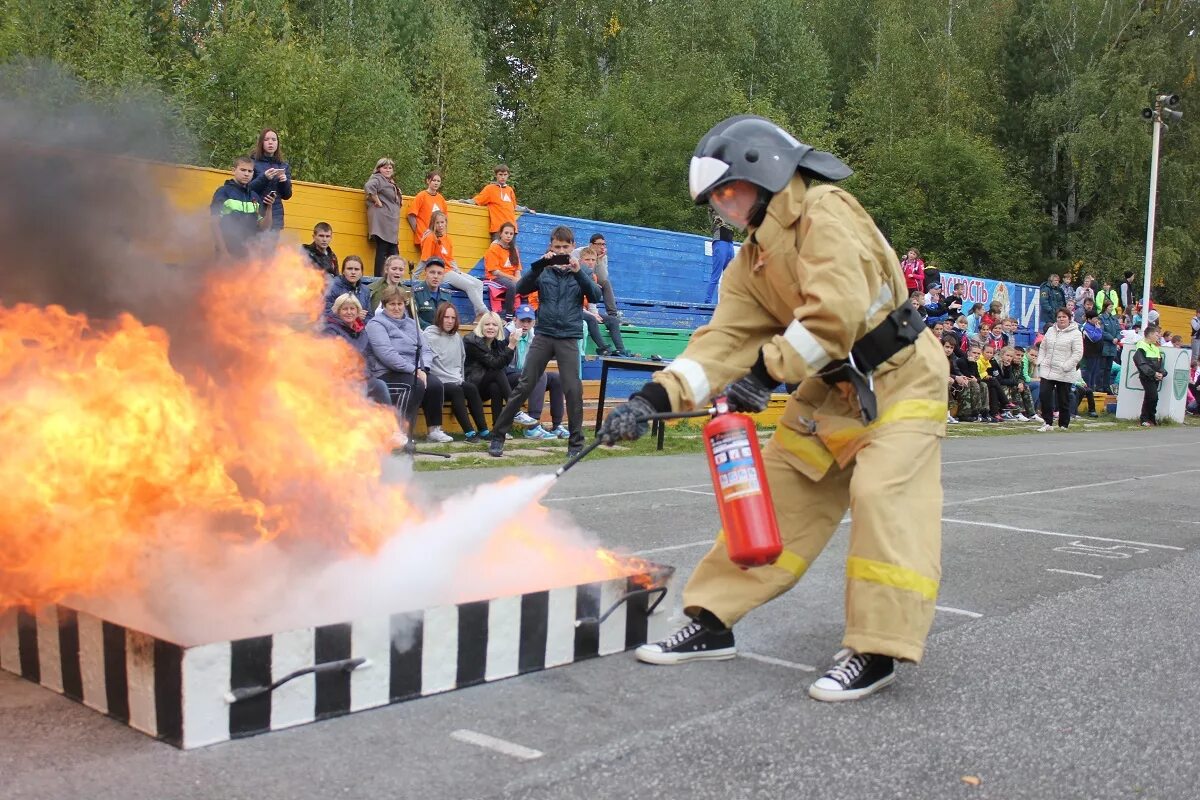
point(740, 483)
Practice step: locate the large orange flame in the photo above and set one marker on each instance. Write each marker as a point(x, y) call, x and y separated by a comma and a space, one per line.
point(117, 442)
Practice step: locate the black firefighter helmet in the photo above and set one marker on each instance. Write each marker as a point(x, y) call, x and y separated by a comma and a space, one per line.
point(756, 150)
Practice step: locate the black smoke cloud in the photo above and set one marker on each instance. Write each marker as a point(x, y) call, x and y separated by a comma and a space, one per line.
point(83, 224)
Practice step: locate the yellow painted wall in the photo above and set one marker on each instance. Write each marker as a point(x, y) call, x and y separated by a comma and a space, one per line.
point(191, 189)
point(1176, 320)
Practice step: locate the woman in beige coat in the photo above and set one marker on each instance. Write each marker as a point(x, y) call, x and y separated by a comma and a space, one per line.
point(383, 211)
point(1061, 350)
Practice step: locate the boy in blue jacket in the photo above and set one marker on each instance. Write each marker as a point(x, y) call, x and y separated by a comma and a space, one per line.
point(238, 212)
point(562, 287)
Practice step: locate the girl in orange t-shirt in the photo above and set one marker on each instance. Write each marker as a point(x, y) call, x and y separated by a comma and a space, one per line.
point(501, 265)
point(438, 245)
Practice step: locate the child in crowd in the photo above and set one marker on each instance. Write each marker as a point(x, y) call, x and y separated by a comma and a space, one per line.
point(449, 365)
point(994, 313)
point(988, 371)
point(424, 205)
point(563, 286)
point(437, 244)
point(975, 393)
point(550, 381)
point(239, 213)
point(957, 384)
point(1016, 388)
point(996, 339)
point(1029, 374)
point(974, 318)
point(394, 270)
point(502, 266)
point(591, 315)
point(350, 282)
point(320, 254)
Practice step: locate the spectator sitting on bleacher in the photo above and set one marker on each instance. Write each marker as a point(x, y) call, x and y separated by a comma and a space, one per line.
point(500, 199)
point(974, 318)
point(936, 309)
point(502, 265)
point(320, 254)
point(449, 364)
point(238, 213)
point(1051, 298)
point(423, 205)
point(489, 353)
point(989, 375)
point(956, 302)
point(1016, 390)
point(438, 245)
point(994, 313)
point(600, 274)
point(958, 329)
point(918, 301)
point(394, 271)
point(996, 338)
point(1008, 328)
point(1029, 373)
point(350, 282)
point(522, 329)
point(431, 293)
point(562, 285)
point(383, 211)
point(591, 315)
point(975, 392)
point(956, 383)
point(398, 355)
point(345, 322)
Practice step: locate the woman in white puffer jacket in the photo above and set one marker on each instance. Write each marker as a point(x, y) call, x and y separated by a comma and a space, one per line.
point(1058, 357)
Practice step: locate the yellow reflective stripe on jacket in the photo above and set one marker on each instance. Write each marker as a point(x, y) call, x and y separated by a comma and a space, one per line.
point(231, 206)
point(928, 410)
point(863, 569)
point(808, 449)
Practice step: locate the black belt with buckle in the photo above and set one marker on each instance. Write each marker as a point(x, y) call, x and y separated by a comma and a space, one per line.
point(898, 330)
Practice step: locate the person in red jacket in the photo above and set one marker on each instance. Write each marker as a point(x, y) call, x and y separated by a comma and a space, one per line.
point(914, 271)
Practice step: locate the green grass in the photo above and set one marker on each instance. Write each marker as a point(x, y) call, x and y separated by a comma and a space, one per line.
point(685, 438)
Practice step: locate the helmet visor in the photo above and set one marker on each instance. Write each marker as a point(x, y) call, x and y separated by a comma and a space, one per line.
point(736, 202)
point(703, 174)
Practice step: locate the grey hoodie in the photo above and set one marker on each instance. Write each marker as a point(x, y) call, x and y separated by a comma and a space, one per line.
point(393, 344)
point(449, 355)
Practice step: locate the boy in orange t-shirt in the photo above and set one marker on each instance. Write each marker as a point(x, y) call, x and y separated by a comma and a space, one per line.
point(437, 243)
point(500, 199)
point(424, 204)
point(502, 265)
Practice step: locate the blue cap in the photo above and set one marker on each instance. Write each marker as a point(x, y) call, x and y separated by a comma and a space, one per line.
point(525, 311)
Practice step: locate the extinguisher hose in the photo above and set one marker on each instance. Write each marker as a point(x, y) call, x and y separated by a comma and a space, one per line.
point(575, 459)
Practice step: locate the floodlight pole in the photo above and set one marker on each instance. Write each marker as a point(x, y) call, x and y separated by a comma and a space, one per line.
point(1150, 216)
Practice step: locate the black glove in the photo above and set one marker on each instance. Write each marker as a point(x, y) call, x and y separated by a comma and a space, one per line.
point(752, 392)
point(626, 422)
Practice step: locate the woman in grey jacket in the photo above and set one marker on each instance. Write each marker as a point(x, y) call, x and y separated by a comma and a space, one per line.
point(398, 355)
point(449, 359)
point(383, 211)
point(1061, 350)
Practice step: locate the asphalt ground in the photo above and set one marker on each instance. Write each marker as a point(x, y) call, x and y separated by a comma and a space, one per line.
point(1061, 665)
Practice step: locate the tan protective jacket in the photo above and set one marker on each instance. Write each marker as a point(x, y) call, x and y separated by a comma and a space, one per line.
point(808, 283)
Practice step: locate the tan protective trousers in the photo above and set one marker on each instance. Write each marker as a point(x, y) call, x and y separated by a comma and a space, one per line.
point(893, 489)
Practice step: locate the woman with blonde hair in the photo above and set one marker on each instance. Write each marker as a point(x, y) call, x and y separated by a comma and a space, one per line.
point(489, 350)
point(344, 322)
point(383, 211)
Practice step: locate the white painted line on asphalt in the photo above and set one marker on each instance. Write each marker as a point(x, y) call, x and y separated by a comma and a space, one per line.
point(669, 548)
point(499, 745)
point(963, 612)
point(1057, 453)
point(622, 494)
point(1080, 574)
point(778, 662)
point(1015, 529)
point(697, 491)
point(1095, 485)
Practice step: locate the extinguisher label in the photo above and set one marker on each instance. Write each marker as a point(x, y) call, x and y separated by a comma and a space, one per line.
point(734, 459)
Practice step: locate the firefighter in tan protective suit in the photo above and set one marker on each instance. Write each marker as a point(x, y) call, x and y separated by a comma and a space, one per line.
point(815, 298)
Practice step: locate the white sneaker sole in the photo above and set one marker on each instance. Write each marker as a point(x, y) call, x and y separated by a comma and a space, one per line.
point(648, 655)
point(840, 695)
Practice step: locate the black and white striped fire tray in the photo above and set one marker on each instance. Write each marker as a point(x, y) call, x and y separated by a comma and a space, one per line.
point(192, 696)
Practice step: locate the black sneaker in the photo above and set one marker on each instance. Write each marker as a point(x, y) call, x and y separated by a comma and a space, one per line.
point(852, 676)
point(574, 450)
point(496, 447)
point(692, 642)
